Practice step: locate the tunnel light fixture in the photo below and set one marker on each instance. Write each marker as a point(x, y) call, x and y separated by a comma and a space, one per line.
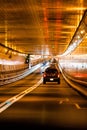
point(82, 31)
point(79, 35)
point(75, 8)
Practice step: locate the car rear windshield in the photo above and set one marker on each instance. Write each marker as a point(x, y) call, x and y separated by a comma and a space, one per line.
point(51, 70)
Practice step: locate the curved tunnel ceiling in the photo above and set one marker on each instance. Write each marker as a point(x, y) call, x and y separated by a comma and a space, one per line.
point(39, 26)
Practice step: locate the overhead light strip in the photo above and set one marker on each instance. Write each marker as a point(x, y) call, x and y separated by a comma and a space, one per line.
point(78, 35)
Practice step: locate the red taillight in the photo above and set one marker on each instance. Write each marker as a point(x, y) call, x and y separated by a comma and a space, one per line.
point(58, 76)
point(44, 75)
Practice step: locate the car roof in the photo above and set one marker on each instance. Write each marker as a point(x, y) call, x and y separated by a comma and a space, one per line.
point(50, 67)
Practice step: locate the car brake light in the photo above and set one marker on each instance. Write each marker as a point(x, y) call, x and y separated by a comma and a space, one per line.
point(44, 75)
point(58, 75)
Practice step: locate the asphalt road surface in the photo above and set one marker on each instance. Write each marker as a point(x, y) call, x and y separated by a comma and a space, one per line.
point(30, 104)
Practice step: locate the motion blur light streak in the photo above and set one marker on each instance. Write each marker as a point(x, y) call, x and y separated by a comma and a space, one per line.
point(77, 38)
point(8, 62)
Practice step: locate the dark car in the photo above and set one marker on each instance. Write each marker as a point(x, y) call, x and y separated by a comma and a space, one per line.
point(51, 74)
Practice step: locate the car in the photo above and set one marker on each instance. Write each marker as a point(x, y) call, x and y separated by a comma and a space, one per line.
point(53, 65)
point(51, 74)
point(53, 60)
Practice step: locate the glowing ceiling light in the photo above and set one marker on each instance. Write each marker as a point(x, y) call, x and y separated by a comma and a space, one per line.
point(75, 8)
point(74, 44)
point(82, 31)
point(77, 38)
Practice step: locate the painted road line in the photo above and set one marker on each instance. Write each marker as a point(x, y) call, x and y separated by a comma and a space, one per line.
point(77, 106)
point(9, 102)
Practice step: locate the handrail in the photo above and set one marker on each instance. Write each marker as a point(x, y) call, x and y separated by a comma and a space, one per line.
point(23, 73)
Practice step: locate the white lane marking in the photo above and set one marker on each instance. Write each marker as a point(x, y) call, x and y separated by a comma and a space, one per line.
point(12, 100)
point(60, 102)
point(67, 100)
point(64, 100)
point(77, 106)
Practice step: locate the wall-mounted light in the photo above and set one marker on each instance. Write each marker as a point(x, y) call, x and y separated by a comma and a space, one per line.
point(79, 34)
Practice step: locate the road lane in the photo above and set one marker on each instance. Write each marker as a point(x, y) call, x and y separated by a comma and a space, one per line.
point(50, 105)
